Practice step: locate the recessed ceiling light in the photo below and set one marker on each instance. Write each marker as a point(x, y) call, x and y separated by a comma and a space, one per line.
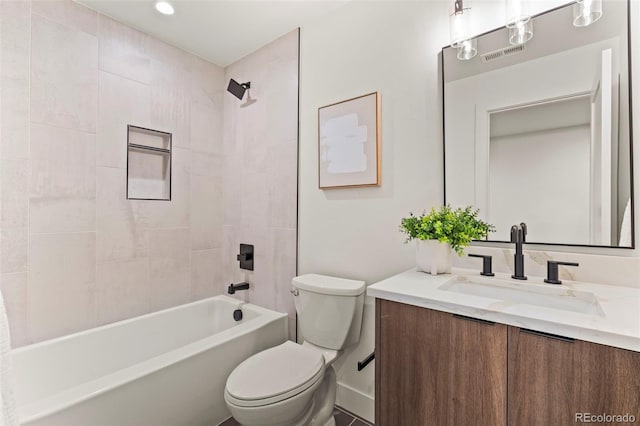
point(164, 7)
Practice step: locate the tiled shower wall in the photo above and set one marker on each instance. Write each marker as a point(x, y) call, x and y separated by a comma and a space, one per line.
point(75, 253)
point(260, 174)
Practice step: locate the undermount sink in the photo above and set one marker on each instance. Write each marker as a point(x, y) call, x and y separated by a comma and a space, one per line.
point(517, 293)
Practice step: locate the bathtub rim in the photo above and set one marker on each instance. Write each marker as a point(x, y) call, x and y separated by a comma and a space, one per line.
point(59, 401)
point(239, 303)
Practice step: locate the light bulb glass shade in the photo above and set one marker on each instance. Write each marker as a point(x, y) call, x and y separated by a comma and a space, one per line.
point(586, 12)
point(164, 7)
point(467, 49)
point(521, 33)
point(460, 22)
point(516, 11)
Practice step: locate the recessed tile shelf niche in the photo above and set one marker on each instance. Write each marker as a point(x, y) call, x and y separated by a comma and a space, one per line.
point(148, 164)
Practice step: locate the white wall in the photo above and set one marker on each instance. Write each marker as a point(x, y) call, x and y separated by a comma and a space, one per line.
point(392, 47)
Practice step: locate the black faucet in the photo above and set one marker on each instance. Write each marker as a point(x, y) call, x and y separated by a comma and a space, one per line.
point(552, 271)
point(518, 236)
point(235, 287)
point(486, 264)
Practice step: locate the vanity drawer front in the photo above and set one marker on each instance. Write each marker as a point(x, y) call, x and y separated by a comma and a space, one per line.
point(433, 368)
point(553, 379)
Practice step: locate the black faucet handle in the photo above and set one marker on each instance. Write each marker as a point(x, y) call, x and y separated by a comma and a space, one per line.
point(246, 256)
point(486, 264)
point(552, 270)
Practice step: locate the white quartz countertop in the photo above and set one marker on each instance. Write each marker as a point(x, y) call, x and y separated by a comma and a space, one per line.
point(616, 324)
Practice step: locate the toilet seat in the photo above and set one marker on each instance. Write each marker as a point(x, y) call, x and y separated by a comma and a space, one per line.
point(274, 375)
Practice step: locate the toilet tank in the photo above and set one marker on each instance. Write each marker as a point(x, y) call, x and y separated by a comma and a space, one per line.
point(329, 309)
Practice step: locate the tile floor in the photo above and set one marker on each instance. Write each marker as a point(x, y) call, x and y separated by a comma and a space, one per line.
point(343, 418)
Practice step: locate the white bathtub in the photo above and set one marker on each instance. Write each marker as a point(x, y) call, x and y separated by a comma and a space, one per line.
point(165, 368)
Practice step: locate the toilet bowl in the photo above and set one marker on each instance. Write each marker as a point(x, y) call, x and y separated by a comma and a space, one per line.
point(276, 386)
point(293, 384)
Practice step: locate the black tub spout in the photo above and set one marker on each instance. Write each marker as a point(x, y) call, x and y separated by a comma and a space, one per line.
point(235, 287)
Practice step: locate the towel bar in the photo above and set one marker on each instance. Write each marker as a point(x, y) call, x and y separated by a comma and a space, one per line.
point(362, 364)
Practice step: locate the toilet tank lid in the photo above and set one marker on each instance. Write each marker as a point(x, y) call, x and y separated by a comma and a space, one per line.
point(324, 284)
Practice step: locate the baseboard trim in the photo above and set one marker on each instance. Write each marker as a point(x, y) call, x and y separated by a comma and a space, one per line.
point(355, 401)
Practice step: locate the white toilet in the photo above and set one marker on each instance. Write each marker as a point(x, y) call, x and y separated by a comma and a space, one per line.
point(292, 384)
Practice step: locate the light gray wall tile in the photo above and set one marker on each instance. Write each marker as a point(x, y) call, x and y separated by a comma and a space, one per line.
point(282, 199)
point(283, 257)
point(124, 51)
point(169, 267)
point(171, 101)
point(14, 122)
point(68, 13)
point(15, 38)
point(206, 213)
point(13, 249)
point(206, 273)
point(120, 235)
point(15, 193)
point(62, 180)
point(123, 290)
point(15, 42)
point(14, 294)
point(64, 76)
point(61, 290)
point(206, 128)
point(122, 102)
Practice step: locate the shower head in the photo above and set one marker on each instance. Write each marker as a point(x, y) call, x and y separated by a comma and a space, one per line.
point(238, 89)
point(249, 101)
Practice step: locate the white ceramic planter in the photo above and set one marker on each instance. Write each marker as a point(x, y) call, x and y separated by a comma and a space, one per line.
point(433, 257)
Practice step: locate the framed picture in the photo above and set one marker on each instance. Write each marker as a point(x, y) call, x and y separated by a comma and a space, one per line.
point(349, 143)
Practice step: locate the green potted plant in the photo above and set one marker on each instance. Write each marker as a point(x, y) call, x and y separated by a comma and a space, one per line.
point(441, 232)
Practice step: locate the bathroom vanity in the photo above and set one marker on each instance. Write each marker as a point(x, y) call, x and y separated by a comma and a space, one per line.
point(460, 349)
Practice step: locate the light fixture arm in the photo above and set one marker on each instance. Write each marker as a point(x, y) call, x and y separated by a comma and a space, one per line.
point(460, 30)
point(458, 7)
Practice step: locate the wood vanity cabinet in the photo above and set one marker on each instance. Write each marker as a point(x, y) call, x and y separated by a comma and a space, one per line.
point(435, 368)
point(553, 378)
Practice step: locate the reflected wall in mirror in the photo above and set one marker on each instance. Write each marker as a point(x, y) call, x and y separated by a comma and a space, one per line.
point(540, 133)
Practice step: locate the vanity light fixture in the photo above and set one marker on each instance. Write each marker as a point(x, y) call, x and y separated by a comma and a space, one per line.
point(521, 33)
point(467, 49)
point(518, 20)
point(164, 7)
point(586, 12)
point(460, 30)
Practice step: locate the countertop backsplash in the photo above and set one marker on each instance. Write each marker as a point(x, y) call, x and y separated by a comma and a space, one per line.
point(612, 270)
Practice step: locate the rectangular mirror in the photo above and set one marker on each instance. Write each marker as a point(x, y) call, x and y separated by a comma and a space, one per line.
point(541, 132)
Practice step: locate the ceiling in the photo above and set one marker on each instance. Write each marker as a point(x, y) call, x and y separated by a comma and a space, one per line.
point(220, 31)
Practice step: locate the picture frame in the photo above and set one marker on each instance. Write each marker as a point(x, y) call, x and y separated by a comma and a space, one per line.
point(349, 143)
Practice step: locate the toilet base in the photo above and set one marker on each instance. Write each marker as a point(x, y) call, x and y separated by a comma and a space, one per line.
point(318, 412)
point(325, 399)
